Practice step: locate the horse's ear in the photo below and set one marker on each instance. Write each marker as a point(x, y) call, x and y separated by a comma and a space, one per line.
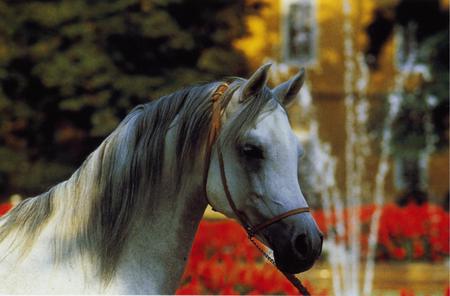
point(287, 91)
point(255, 83)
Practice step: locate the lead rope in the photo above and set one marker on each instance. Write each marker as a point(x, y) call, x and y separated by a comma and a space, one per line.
point(215, 127)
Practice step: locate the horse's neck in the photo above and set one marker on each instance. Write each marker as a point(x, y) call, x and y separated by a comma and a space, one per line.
point(157, 251)
point(158, 243)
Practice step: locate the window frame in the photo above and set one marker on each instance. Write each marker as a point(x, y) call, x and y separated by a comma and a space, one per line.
point(286, 25)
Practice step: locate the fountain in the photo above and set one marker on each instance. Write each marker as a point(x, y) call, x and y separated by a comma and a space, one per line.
point(352, 271)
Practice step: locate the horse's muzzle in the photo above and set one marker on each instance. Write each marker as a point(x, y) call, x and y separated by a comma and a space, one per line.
point(296, 242)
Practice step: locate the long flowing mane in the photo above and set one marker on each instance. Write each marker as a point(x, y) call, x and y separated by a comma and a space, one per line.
point(95, 207)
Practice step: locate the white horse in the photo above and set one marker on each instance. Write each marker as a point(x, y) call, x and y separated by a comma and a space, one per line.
point(125, 220)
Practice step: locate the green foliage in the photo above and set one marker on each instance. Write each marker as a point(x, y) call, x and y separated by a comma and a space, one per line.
point(419, 123)
point(409, 134)
point(71, 69)
point(422, 121)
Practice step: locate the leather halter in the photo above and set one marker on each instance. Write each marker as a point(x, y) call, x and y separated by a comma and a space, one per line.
point(251, 230)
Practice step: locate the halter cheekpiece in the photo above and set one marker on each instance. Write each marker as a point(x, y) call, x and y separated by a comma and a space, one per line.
point(251, 230)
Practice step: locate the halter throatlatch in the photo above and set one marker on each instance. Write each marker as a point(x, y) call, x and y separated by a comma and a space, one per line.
point(251, 230)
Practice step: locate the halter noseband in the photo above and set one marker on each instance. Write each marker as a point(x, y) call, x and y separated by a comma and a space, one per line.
point(251, 230)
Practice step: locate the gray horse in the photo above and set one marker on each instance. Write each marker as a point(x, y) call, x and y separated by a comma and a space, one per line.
point(125, 220)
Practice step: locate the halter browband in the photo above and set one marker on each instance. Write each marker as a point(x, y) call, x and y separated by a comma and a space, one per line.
point(251, 230)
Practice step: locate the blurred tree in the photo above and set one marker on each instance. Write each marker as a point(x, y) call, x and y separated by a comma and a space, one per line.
point(422, 122)
point(71, 69)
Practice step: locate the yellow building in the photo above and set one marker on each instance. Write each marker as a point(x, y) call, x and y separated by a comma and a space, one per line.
point(322, 52)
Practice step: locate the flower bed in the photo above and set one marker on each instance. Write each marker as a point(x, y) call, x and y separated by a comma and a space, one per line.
point(405, 233)
point(223, 261)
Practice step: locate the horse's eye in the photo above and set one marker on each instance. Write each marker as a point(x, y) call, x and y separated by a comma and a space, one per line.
point(250, 151)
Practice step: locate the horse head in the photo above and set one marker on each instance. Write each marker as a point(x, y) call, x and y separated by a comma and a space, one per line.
point(256, 161)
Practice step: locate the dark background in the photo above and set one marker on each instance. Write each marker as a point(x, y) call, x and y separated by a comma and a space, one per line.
point(71, 70)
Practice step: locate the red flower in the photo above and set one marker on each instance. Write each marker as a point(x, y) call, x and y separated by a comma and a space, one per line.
point(4, 208)
point(406, 292)
point(229, 291)
point(418, 249)
point(191, 288)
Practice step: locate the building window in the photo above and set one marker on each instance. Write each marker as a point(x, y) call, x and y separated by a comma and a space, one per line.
point(299, 31)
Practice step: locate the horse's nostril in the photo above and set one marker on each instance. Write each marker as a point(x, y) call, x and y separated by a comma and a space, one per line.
point(301, 244)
